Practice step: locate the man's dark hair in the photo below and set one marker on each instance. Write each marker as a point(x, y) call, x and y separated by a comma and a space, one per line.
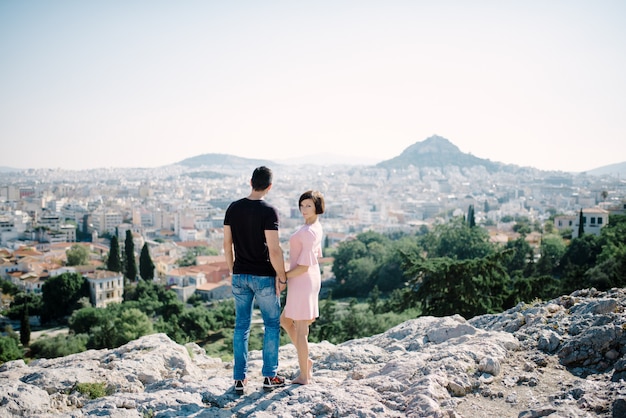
point(261, 178)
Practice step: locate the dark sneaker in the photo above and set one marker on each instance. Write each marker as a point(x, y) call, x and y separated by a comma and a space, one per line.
point(240, 386)
point(273, 382)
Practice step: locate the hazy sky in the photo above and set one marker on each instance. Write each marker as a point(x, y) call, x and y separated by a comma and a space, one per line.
point(86, 84)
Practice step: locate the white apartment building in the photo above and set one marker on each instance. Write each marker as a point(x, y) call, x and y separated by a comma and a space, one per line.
point(185, 282)
point(9, 194)
point(51, 221)
point(594, 219)
point(188, 234)
point(183, 220)
point(65, 233)
point(74, 212)
point(563, 222)
point(143, 217)
point(7, 229)
point(105, 221)
point(106, 287)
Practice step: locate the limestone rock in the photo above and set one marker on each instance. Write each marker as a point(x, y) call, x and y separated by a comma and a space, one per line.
point(562, 358)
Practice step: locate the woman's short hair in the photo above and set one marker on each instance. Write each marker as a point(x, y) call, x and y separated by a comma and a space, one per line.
point(316, 197)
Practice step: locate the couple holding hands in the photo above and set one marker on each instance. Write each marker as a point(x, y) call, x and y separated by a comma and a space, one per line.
point(255, 259)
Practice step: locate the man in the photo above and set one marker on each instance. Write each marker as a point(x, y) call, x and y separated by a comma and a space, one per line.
point(256, 262)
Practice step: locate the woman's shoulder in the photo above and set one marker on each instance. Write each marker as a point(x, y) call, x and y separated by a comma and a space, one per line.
point(315, 228)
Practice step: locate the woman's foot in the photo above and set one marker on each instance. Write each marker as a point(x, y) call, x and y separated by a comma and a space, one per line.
point(300, 380)
point(309, 379)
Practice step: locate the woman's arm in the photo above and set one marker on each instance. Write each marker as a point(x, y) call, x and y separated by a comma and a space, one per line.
point(297, 270)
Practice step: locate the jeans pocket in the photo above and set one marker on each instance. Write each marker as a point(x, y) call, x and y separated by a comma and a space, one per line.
point(266, 287)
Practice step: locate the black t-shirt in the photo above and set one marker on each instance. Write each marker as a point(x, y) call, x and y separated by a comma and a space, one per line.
point(248, 220)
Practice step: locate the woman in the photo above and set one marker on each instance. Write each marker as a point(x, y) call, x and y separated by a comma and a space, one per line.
point(304, 278)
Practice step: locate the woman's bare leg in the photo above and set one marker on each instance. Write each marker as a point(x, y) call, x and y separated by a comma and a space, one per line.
point(289, 327)
point(302, 346)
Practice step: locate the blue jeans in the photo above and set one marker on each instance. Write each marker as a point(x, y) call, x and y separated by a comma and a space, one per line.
point(246, 289)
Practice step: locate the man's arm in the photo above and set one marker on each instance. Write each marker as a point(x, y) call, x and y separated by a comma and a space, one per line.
point(276, 257)
point(228, 248)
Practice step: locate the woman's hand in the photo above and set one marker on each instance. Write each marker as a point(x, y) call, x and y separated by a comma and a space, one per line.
point(280, 285)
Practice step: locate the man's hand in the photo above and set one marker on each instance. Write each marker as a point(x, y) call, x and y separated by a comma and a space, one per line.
point(280, 285)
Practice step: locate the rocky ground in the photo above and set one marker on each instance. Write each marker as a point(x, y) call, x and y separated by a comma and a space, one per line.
point(562, 358)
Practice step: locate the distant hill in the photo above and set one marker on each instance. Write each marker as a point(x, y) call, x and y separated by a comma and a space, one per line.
point(436, 151)
point(208, 160)
point(612, 169)
point(8, 169)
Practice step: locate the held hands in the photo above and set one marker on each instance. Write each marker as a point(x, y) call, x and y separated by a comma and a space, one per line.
point(281, 284)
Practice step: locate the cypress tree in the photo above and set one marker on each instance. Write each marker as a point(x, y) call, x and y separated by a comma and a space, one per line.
point(25, 326)
point(129, 251)
point(146, 266)
point(581, 227)
point(114, 263)
point(471, 220)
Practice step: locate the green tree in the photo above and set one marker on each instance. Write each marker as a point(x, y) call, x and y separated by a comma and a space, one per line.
point(148, 296)
point(146, 266)
point(190, 257)
point(610, 268)
point(82, 321)
point(374, 300)
point(25, 327)
point(102, 335)
point(130, 270)
point(347, 251)
point(471, 219)
point(551, 250)
point(9, 349)
point(116, 326)
point(8, 288)
point(522, 227)
point(114, 262)
point(527, 289)
point(356, 262)
point(196, 323)
point(455, 239)
point(58, 346)
point(224, 313)
point(612, 237)
point(581, 254)
point(171, 306)
point(61, 295)
point(443, 286)
point(131, 324)
point(352, 324)
point(326, 327)
point(388, 274)
point(77, 255)
point(22, 301)
point(604, 194)
point(520, 259)
point(581, 224)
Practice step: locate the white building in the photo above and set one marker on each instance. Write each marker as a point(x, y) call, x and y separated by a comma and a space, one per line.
point(106, 287)
point(594, 219)
point(105, 221)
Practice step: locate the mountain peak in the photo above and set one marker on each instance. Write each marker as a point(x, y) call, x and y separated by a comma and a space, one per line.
point(433, 144)
point(435, 151)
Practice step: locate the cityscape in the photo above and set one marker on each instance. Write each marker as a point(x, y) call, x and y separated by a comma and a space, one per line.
point(176, 208)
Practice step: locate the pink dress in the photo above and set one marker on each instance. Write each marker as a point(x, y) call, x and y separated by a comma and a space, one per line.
point(305, 247)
